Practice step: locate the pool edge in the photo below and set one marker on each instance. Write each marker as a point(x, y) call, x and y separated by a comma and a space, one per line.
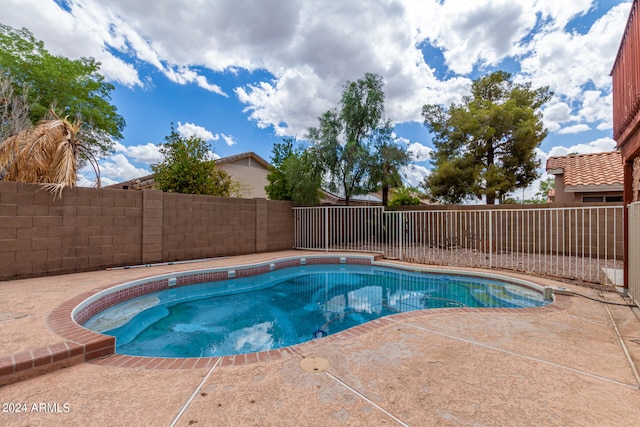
point(81, 345)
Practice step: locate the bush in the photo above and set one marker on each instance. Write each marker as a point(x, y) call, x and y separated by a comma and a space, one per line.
point(405, 196)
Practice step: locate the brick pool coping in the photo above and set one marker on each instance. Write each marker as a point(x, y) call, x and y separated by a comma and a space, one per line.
point(83, 345)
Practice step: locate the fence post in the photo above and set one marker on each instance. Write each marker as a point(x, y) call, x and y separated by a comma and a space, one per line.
point(326, 229)
point(400, 233)
point(490, 239)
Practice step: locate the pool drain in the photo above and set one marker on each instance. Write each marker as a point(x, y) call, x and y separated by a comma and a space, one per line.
point(314, 364)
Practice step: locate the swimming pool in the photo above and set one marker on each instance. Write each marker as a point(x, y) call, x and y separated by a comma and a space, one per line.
point(288, 306)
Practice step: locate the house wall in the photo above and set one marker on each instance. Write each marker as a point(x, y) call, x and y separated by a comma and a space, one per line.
point(562, 196)
point(91, 229)
point(626, 88)
point(250, 173)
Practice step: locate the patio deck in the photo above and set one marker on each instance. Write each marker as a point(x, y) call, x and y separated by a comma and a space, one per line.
point(570, 363)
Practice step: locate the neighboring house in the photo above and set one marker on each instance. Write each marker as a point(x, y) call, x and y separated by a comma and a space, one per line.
point(587, 178)
point(249, 169)
point(329, 198)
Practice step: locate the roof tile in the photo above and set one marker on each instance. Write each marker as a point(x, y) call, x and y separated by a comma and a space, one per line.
point(589, 169)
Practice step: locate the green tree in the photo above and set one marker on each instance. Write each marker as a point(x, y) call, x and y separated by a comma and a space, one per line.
point(545, 186)
point(345, 141)
point(277, 189)
point(293, 175)
point(388, 158)
point(71, 88)
point(486, 145)
point(405, 196)
point(187, 168)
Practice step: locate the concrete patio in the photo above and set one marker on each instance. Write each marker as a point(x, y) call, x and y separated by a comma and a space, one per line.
point(573, 362)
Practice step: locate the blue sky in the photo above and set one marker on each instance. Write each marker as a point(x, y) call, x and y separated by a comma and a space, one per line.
point(245, 74)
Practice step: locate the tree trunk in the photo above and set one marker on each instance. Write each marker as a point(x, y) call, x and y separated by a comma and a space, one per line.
point(491, 198)
point(385, 196)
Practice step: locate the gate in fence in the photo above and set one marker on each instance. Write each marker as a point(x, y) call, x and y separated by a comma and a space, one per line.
point(584, 243)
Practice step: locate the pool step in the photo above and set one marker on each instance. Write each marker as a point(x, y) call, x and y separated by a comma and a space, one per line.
point(32, 363)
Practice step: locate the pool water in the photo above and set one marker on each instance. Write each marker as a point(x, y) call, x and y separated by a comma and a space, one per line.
point(287, 307)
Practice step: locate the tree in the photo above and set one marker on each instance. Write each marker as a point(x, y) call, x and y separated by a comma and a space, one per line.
point(346, 139)
point(293, 175)
point(405, 196)
point(485, 146)
point(545, 186)
point(71, 88)
point(389, 157)
point(14, 109)
point(187, 168)
point(278, 188)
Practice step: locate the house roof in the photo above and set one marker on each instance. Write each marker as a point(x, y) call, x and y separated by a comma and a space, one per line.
point(584, 171)
point(249, 154)
point(366, 198)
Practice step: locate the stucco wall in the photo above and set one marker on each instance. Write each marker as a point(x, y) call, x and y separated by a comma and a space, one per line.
point(251, 174)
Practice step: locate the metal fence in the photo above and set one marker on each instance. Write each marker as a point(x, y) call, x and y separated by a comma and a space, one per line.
point(634, 252)
point(584, 243)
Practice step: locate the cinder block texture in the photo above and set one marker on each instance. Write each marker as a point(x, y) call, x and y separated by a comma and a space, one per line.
point(91, 229)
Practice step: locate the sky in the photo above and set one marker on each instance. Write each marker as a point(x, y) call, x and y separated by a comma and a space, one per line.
point(246, 74)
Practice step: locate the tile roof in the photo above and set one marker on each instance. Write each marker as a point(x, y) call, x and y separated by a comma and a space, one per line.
point(588, 169)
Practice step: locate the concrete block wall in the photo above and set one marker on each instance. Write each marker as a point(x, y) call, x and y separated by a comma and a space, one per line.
point(197, 226)
point(91, 229)
point(279, 221)
point(86, 229)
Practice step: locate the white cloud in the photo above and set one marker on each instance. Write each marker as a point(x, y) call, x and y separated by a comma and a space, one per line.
point(567, 61)
point(184, 75)
point(86, 181)
point(574, 129)
point(119, 168)
point(414, 175)
point(555, 114)
point(228, 139)
point(600, 145)
point(81, 33)
point(190, 129)
point(597, 108)
point(116, 168)
point(419, 152)
point(146, 153)
point(311, 48)
point(482, 31)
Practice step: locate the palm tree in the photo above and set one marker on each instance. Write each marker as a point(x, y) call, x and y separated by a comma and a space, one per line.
point(47, 155)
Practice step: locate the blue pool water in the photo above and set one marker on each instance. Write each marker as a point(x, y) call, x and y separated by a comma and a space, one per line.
point(287, 307)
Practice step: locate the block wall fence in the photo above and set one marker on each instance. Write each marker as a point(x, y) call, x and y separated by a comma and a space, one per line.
point(91, 229)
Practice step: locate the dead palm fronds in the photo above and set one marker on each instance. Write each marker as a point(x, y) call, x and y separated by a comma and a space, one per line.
point(46, 154)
